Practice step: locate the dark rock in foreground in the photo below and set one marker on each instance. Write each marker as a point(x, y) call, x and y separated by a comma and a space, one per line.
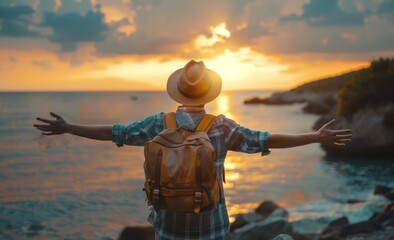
point(385, 191)
point(138, 233)
point(266, 208)
point(271, 222)
point(361, 227)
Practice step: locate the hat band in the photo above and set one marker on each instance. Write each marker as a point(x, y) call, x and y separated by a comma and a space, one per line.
point(188, 95)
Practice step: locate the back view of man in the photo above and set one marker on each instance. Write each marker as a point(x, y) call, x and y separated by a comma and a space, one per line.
point(193, 86)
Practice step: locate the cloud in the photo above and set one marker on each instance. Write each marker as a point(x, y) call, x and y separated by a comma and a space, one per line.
point(319, 13)
point(69, 29)
point(42, 64)
point(386, 8)
point(15, 21)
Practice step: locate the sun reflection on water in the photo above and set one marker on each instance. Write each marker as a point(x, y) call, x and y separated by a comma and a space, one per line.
point(223, 106)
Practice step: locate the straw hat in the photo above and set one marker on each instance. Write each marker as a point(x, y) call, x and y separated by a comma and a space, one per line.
point(194, 84)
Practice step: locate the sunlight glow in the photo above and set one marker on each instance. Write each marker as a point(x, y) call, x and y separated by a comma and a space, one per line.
point(223, 106)
point(244, 69)
point(219, 34)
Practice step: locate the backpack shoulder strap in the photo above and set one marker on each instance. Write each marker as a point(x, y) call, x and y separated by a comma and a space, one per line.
point(169, 121)
point(206, 123)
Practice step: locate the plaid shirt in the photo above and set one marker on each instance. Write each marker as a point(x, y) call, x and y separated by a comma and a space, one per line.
point(225, 134)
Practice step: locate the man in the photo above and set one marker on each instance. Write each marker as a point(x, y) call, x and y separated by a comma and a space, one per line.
point(193, 86)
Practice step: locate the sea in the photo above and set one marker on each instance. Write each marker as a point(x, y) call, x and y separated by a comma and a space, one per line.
point(68, 187)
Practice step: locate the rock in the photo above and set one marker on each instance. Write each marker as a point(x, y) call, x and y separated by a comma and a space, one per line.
point(382, 190)
point(263, 230)
point(266, 208)
point(255, 100)
point(321, 106)
point(336, 225)
point(299, 236)
point(366, 124)
point(280, 213)
point(283, 237)
point(140, 233)
point(384, 219)
point(389, 208)
point(244, 219)
point(354, 200)
point(333, 230)
point(35, 228)
point(358, 228)
point(330, 236)
point(288, 97)
point(385, 191)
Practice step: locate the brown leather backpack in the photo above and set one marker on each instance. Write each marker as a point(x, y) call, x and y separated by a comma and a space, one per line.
point(180, 168)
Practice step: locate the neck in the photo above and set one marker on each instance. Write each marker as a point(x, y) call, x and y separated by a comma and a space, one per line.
point(194, 109)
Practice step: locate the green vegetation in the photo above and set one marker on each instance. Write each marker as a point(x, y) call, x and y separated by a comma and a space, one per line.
point(326, 85)
point(370, 87)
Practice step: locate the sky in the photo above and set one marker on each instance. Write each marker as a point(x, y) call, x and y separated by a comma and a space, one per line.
point(57, 45)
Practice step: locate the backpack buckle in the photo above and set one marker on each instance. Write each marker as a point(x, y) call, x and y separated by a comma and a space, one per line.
point(155, 198)
point(197, 197)
point(197, 201)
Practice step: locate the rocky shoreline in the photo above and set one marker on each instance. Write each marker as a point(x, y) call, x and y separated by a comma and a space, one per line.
point(373, 128)
point(270, 221)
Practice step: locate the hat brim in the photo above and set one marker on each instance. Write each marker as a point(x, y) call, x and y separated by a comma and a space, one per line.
point(214, 90)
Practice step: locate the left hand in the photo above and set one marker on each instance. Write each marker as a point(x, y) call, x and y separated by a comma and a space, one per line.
point(326, 136)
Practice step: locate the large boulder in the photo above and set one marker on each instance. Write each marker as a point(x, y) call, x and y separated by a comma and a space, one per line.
point(361, 227)
point(244, 219)
point(371, 138)
point(321, 105)
point(333, 230)
point(266, 208)
point(385, 191)
point(139, 232)
point(336, 225)
point(384, 219)
point(264, 230)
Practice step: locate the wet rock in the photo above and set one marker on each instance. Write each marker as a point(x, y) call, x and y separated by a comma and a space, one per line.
point(244, 219)
point(299, 236)
point(255, 100)
point(139, 232)
point(358, 228)
point(35, 228)
point(266, 208)
point(385, 191)
point(283, 237)
point(384, 219)
point(262, 230)
point(336, 225)
point(354, 200)
point(389, 208)
point(280, 213)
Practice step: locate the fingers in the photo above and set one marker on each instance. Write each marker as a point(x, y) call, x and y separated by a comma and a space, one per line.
point(329, 124)
point(55, 115)
point(43, 127)
point(342, 132)
point(343, 140)
point(48, 134)
point(44, 120)
point(339, 144)
point(348, 136)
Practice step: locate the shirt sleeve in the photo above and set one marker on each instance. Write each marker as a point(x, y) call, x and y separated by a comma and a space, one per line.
point(241, 139)
point(139, 132)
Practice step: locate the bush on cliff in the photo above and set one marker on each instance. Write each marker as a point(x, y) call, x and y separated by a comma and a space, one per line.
point(370, 87)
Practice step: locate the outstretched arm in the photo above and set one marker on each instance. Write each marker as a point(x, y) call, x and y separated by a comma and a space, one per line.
point(59, 126)
point(324, 136)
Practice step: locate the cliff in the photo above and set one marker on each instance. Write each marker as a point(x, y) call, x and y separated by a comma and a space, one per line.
point(362, 100)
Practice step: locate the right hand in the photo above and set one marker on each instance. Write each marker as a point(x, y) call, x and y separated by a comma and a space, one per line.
point(53, 127)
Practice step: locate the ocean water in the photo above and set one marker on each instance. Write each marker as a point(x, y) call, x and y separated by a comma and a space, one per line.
point(67, 187)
